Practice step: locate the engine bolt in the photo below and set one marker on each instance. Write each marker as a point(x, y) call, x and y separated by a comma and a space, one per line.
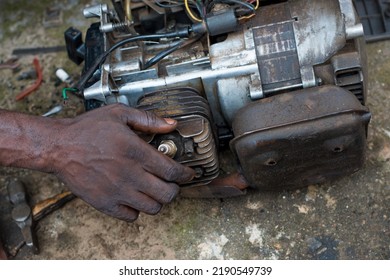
point(198, 172)
point(167, 147)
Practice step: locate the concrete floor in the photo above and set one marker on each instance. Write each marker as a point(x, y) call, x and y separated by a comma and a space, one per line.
point(346, 219)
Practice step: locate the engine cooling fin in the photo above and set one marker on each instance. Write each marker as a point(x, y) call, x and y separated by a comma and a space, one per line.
point(193, 139)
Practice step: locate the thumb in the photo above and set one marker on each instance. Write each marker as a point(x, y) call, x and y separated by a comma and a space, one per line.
point(148, 122)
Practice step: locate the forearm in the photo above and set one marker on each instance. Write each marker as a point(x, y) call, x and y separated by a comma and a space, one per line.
point(98, 156)
point(27, 141)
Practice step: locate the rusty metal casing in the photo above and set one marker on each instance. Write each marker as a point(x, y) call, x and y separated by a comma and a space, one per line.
point(300, 138)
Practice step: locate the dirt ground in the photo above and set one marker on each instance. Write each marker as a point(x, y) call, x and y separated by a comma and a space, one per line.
point(346, 219)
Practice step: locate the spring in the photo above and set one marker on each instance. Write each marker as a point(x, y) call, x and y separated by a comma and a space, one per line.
point(120, 26)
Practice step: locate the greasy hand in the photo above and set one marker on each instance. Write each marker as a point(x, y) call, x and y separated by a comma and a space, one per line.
point(105, 163)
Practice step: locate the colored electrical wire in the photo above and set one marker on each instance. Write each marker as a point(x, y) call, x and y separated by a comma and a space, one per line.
point(64, 95)
point(257, 4)
point(171, 5)
point(37, 83)
point(199, 7)
point(102, 57)
point(252, 15)
point(195, 18)
point(241, 3)
point(247, 5)
point(164, 53)
point(161, 55)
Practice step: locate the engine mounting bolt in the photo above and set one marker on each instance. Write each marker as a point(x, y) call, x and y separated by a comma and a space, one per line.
point(167, 147)
point(198, 172)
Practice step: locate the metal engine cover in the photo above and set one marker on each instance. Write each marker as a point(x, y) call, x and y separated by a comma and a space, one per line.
point(300, 138)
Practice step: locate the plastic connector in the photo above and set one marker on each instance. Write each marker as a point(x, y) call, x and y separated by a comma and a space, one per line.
point(218, 23)
point(74, 45)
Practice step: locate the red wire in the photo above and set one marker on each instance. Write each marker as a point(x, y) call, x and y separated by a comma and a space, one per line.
point(37, 83)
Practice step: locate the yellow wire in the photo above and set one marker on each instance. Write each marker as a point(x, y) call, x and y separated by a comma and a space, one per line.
point(190, 12)
point(252, 15)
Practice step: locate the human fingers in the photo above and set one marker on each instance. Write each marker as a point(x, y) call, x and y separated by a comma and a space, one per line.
point(162, 191)
point(121, 212)
point(140, 202)
point(162, 166)
point(146, 121)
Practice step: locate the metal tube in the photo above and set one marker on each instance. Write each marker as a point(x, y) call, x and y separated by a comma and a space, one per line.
point(354, 31)
point(206, 74)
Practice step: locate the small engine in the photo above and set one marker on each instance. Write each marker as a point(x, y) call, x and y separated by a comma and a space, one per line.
point(282, 83)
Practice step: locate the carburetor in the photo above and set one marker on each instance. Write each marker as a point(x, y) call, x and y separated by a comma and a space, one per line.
point(280, 83)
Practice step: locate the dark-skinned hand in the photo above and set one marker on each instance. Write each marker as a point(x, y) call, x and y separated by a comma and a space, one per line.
point(103, 161)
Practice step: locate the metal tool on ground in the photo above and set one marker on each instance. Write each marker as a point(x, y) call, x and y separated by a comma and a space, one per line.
point(38, 50)
point(47, 206)
point(37, 83)
point(22, 214)
point(53, 111)
point(36, 213)
point(27, 75)
point(10, 64)
point(52, 17)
